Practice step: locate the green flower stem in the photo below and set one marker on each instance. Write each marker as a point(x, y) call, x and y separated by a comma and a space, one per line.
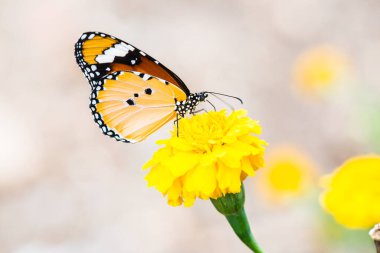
point(232, 207)
point(240, 225)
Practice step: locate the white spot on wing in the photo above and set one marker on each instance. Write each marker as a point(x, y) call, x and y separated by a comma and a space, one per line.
point(130, 47)
point(145, 77)
point(91, 36)
point(104, 58)
point(122, 46)
point(83, 36)
point(115, 52)
point(161, 80)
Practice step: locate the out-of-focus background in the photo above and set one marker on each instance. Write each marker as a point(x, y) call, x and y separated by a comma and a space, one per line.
point(307, 70)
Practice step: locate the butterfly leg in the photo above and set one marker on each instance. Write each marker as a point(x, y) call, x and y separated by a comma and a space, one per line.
point(176, 123)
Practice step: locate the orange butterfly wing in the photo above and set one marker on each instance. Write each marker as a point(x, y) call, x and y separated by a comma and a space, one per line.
point(130, 106)
point(99, 54)
point(133, 94)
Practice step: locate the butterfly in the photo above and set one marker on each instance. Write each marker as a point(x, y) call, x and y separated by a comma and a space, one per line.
point(132, 94)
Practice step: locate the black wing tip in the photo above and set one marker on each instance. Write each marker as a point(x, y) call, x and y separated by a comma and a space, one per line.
point(84, 36)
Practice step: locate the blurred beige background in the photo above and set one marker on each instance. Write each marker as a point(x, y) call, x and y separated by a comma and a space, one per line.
point(64, 187)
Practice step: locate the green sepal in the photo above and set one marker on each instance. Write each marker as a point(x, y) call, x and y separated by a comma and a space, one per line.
point(230, 203)
point(232, 207)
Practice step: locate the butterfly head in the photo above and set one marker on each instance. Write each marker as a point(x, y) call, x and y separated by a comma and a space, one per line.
point(202, 96)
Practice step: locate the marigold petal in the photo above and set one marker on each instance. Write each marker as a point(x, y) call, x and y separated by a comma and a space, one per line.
point(174, 194)
point(228, 179)
point(246, 166)
point(229, 138)
point(219, 151)
point(231, 160)
point(240, 148)
point(158, 156)
point(160, 177)
point(189, 200)
point(201, 180)
point(208, 159)
point(257, 161)
point(180, 145)
point(181, 162)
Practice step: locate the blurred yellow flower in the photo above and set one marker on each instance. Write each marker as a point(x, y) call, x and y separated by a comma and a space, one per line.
point(319, 69)
point(288, 174)
point(352, 192)
point(212, 155)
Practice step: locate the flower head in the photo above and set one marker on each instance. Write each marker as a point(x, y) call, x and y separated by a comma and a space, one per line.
point(319, 69)
point(211, 156)
point(352, 192)
point(289, 173)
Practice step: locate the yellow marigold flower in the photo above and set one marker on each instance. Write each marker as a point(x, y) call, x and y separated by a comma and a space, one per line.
point(319, 69)
point(289, 173)
point(212, 155)
point(352, 192)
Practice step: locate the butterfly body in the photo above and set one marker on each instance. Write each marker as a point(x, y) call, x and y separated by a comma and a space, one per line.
point(191, 102)
point(133, 94)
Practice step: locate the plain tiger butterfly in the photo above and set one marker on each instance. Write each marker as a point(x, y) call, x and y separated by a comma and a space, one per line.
point(133, 95)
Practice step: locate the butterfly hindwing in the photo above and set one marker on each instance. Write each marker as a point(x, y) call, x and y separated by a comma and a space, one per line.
point(129, 105)
point(99, 54)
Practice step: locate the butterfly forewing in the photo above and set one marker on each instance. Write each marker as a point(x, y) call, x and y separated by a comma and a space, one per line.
point(99, 54)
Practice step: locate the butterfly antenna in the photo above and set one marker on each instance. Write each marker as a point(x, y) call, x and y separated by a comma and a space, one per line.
point(223, 101)
point(221, 94)
point(213, 106)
